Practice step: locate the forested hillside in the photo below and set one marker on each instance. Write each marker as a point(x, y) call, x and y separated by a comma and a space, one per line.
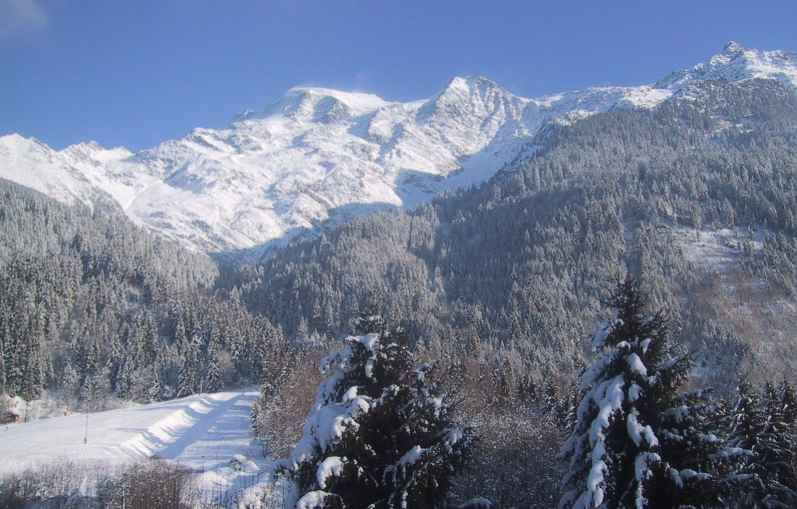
point(92, 307)
point(474, 314)
point(523, 262)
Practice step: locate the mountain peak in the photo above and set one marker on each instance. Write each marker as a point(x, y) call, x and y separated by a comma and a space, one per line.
point(17, 142)
point(732, 47)
point(470, 81)
point(470, 85)
point(13, 138)
point(312, 102)
point(244, 115)
point(470, 90)
point(85, 146)
point(737, 63)
point(91, 150)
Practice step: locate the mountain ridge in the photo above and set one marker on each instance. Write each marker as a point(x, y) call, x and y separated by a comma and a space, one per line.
point(285, 170)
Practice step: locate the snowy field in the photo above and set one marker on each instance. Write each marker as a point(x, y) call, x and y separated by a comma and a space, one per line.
point(715, 250)
point(208, 433)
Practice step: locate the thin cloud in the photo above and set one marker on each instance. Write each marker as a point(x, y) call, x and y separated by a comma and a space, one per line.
point(21, 16)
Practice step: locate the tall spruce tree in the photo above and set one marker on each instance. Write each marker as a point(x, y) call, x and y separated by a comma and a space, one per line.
point(789, 400)
point(776, 452)
point(747, 424)
point(212, 378)
point(2, 366)
point(763, 433)
point(155, 390)
point(380, 434)
point(637, 442)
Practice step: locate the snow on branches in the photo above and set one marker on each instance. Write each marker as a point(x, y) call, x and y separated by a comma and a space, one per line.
point(617, 452)
point(380, 432)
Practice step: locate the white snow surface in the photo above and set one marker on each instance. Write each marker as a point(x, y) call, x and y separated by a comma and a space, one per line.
point(208, 433)
point(313, 500)
point(636, 365)
point(736, 63)
point(329, 468)
point(319, 154)
point(716, 250)
point(412, 456)
point(640, 433)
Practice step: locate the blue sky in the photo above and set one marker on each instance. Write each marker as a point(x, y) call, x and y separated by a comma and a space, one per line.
point(135, 73)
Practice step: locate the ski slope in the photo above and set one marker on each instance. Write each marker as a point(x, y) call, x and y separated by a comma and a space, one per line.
point(203, 432)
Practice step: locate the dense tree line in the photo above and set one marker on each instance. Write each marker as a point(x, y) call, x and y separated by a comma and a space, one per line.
point(91, 307)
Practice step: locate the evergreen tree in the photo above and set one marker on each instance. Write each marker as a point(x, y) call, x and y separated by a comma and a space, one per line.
point(636, 441)
point(125, 380)
point(155, 390)
point(116, 359)
point(776, 452)
point(748, 420)
point(148, 347)
point(2, 366)
point(185, 379)
point(369, 322)
point(32, 382)
point(212, 377)
point(765, 478)
point(380, 434)
point(747, 423)
point(71, 379)
point(690, 432)
point(89, 370)
point(789, 401)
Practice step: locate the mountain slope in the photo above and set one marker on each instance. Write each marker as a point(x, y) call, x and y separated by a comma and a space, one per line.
point(319, 154)
point(525, 259)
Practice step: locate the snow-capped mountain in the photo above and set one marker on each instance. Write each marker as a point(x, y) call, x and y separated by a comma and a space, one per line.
point(319, 154)
point(736, 63)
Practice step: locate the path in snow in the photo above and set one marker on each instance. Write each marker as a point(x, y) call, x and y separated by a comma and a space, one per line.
point(203, 432)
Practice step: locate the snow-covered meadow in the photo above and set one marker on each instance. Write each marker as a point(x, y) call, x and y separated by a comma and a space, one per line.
point(209, 434)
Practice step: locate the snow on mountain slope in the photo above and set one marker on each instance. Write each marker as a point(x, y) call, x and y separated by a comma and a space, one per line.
point(82, 173)
point(736, 63)
point(319, 154)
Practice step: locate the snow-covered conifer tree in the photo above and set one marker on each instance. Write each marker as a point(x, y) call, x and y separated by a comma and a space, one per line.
point(747, 419)
point(765, 476)
point(154, 391)
point(691, 438)
point(635, 443)
point(380, 433)
point(776, 452)
point(747, 422)
point(185, 380)
point(369, 322)
point(789, 401)
point(2, 367)
point(212, 378)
